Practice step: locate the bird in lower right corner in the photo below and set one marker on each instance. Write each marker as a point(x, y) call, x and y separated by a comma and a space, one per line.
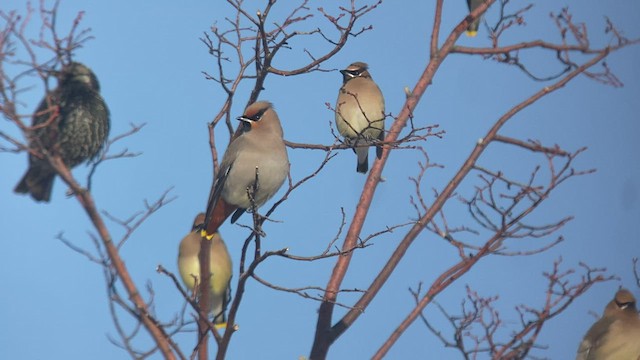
point(616, 335)
point(220, 267)
point(360, 112)
point(472, 30)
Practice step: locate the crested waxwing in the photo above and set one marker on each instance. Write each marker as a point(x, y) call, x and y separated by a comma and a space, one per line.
point(77, 132)
point(616, 335)
point(360, 112)
point(220, 267)
point(472, 30)
point(257, 151)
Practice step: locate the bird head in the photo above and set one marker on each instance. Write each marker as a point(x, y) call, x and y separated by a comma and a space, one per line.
point(625, 300)
point(260, 115)
point(357, 69)
point(198, 222)
point(77, 73)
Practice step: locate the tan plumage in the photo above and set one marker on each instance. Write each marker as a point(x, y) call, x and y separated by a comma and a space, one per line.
point(616, 335)
point(257, 146)
point(220, 266)
point(360, 112)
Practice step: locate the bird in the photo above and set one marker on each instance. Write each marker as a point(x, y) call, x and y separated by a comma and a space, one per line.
point(220, 267)
point(472, 30)
point(359, 112)
point(255, 161)
point(616, 335)
point(77, 133)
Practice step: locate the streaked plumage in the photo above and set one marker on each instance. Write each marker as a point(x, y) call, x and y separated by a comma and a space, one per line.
point(78, 132)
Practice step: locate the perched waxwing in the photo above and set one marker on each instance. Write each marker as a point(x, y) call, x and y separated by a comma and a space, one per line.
point(220, 267)
point(257, 151)
point(472, 30)
point(360, 112)
point(616, 335)
point(78, 130)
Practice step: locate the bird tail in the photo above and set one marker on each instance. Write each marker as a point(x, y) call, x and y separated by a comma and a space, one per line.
point(219, 316)
point(218, 215)
point(363, 159)
point(472, 30)
point(220, 320)
point(38, 183)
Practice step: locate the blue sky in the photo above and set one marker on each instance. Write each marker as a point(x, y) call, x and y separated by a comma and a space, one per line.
point(150, 60)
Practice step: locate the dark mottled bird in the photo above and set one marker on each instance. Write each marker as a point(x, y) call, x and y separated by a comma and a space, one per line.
point(360, 112)
point(219, 265)
point(472, 30)
point(616, 335)
point(257, 148)
point(78, 132)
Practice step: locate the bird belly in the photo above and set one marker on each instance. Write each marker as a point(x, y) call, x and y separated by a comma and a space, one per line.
point(189, 270)
point(358, 120)
point(271, 170)
point(625, 345)
point(86, 129)
point(219, 284)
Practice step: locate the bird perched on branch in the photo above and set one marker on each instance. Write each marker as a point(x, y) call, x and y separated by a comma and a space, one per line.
point(255, 164)
point(360, 112)
point(472, 30)
point(220, 268)
point(616, 335)
point(72, 121)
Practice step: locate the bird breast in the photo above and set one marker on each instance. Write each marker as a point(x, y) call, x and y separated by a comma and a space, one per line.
point(272, 166)
point(360, 109)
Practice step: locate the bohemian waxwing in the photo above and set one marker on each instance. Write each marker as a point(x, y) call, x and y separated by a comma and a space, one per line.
point(360, 112)
point(220, 267)
point(257, 151)
point(616, 335)
point(472, 30)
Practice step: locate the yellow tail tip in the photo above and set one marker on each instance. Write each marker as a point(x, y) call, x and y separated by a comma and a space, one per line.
point(205, 235)
point(471, 33)
point(220, 326)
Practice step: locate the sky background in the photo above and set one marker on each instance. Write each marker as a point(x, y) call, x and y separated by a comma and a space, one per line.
point(149, 60)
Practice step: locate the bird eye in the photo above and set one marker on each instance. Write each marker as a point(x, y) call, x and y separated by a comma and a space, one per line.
point(258, 115)
point(623, 305)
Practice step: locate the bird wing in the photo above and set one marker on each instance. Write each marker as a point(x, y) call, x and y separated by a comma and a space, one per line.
point(227, 295)
point(237, 214)
point(379, 147)
point(216, 192)
point(583, 350)
point(592, 340)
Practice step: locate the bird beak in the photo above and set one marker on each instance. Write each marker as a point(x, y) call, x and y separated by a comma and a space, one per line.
point(348, 74)
point(52, 72)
